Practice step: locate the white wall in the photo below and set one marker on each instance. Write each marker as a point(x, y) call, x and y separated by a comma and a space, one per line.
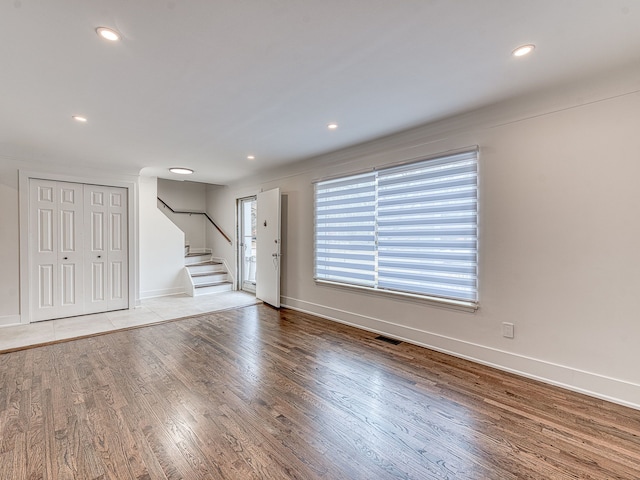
point(559, 223)
point(186, 196)
point(161, 246)
point(9, 244)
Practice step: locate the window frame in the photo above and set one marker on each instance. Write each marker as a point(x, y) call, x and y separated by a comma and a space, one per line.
point(469, 305)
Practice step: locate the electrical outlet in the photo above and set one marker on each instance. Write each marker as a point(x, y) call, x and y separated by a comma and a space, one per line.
point(507, 330)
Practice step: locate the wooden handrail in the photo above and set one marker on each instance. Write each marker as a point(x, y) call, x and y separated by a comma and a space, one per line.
point(198, 213)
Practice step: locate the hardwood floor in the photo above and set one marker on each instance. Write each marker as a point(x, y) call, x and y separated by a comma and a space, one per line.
point(254, 393)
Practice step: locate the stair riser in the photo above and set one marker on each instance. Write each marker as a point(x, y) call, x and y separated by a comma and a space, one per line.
point(205, 257)
point(214, 277)
point(206, 268)
point(224, 287)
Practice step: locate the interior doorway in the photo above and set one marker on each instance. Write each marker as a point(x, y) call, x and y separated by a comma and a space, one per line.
point(247, 214)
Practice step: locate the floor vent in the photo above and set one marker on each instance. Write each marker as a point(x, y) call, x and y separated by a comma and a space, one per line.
point(393, 341)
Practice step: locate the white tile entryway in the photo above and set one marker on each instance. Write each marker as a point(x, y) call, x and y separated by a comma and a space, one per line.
point(150, 311)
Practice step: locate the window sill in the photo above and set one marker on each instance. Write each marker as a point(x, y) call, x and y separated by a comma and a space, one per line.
point(459, 305)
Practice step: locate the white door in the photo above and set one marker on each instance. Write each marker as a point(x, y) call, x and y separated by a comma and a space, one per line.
point(105, 218)
point(268, 247)
point(77, 249)
point(56, 247)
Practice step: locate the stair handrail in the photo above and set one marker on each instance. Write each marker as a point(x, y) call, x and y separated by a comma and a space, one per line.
point(197, 213)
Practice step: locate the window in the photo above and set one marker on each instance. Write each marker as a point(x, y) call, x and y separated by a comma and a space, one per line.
point(409, 229)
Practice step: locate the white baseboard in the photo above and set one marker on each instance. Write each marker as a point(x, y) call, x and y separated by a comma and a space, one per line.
point(161, 292)
point(606, 388)
point(9, 320)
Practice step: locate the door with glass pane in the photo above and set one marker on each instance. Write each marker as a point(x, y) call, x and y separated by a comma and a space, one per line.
point(247, 243)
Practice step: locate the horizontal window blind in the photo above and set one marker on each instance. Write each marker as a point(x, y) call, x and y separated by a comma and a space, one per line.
point(411, 228)
point(427, 227)
point(345, 230)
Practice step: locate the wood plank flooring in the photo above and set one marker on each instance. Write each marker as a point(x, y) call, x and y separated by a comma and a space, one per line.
point(254, 393)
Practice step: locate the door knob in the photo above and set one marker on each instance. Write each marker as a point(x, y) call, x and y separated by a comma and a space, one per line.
point(65, 258)
point(99, 256)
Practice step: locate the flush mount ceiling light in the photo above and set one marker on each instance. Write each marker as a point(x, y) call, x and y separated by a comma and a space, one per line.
point(251, 157)
point(523, 50)
point(332, 126)
point(181, 170)
point(108, 34)
point(79, 118)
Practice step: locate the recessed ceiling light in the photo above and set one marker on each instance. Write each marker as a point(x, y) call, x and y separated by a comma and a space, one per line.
point(251, 157)
point(79, 118)
point(332, 126)
point(523, 50)
point(108, 34)
point(181, 170)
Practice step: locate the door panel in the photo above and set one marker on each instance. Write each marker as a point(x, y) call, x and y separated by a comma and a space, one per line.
point(117, 274)
point(97, 231)
point(70, 248)
point(45, 286)
point(68, 284)
point(97, 286)
point(106, 252)
point(45, 231)
point(117, 249)
point(55, 244)
point(116, 232)
point(95, 252)
point(268, 247)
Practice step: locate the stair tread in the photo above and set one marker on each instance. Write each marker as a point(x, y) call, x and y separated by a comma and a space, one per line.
point(211, 284)
point(197, 254)
point(205, 274)
point(209, 262)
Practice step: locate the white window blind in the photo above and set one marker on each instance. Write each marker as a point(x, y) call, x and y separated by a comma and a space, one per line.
point(345, 230)
point(427, 227)
point(410, 229)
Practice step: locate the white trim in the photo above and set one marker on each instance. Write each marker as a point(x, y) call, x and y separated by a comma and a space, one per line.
point(163, 292)
point(190, 288)
point(434, 301)
point(237, 271)
point(23, 202)
point(9, 320)
point(595, 385)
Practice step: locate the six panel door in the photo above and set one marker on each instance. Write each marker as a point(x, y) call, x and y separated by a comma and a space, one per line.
point(106, 265)
point(78, 249)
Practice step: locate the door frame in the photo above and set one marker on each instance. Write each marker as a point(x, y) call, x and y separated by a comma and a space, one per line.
point(24, 176)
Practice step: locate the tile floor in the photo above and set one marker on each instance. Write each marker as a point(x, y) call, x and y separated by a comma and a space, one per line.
point(152, 310)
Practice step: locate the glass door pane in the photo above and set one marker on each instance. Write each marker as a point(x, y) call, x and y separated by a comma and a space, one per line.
point(248, 243)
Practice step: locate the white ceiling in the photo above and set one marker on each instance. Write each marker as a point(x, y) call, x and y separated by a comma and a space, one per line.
point(204, 83)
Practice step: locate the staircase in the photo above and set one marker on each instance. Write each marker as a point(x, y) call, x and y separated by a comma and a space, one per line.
point(206, 274)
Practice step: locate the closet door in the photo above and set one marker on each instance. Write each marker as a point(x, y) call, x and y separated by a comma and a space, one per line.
point(56, 248)
point(118, 254)
point(78, 253)
point(106, 256)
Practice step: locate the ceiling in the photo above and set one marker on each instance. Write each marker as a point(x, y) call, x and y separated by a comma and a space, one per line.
point(204, 84)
